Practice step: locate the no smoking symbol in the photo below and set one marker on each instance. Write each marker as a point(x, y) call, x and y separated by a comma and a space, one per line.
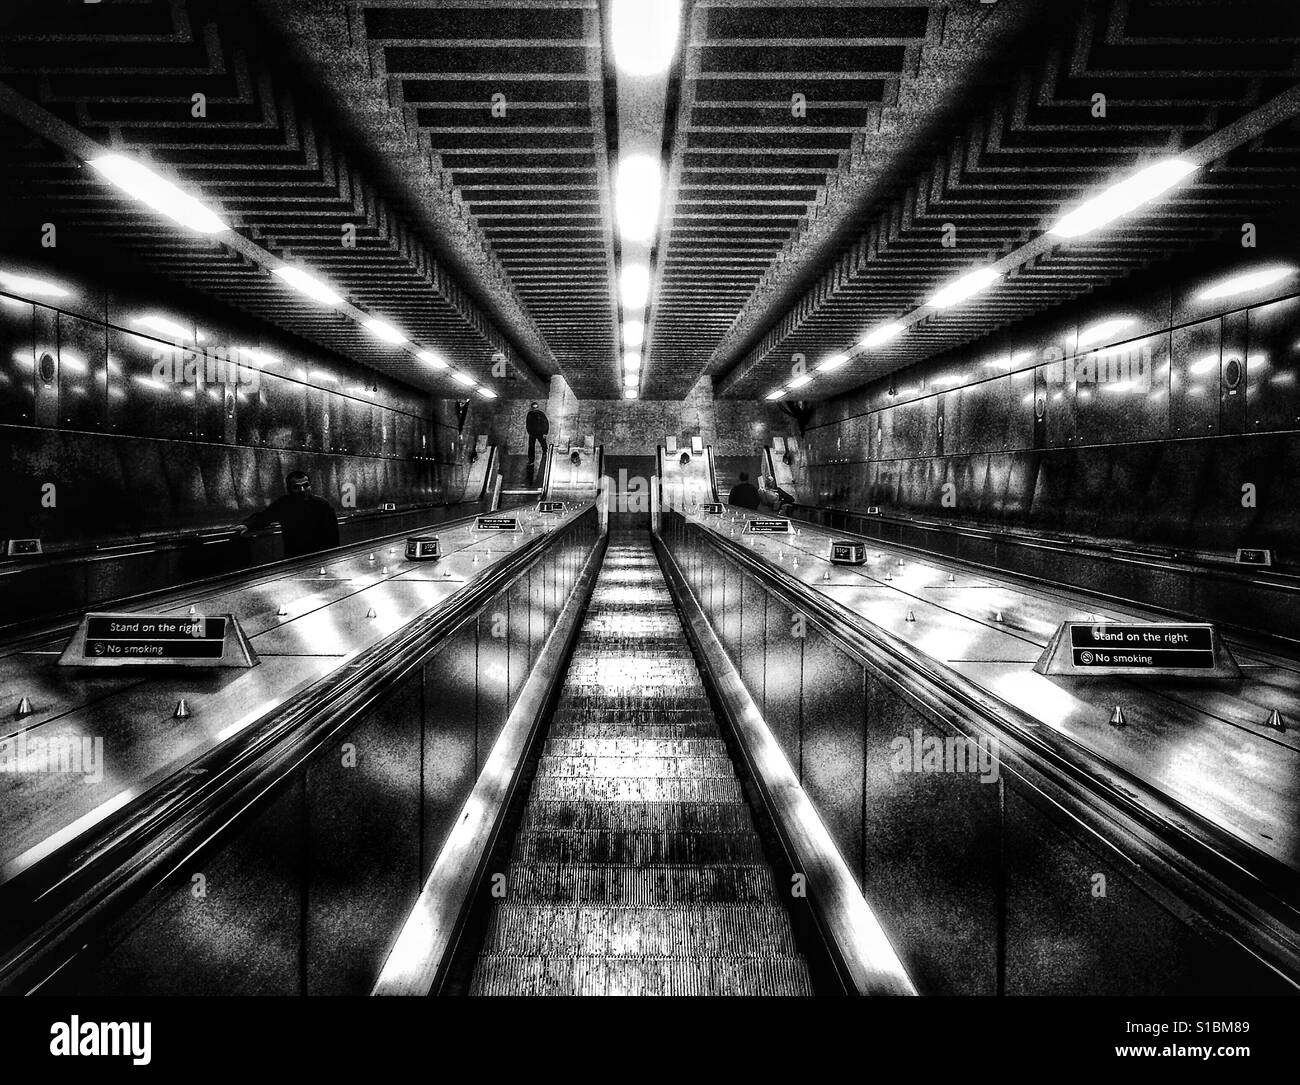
point(1086, 657)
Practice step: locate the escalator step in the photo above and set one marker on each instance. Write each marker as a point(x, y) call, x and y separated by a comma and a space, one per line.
point(685, 768)
point(636, 789)
point(580, 930)
point(672, 976)
point(638, 848)
point(638, 817)
point(639, 886)
point(636, 868)
point(635, 745)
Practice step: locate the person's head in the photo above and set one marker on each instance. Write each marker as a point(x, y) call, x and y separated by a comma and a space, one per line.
point(744, 476)
point(532, 406)
point(575, 458)
point(297, 482)
point(685, 458)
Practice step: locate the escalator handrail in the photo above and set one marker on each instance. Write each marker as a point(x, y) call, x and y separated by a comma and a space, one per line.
point(95, 877)
point(1235, 886)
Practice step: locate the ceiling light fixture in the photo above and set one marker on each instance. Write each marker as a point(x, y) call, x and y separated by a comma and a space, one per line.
point(832, 363)
point(967, 286)
point(385, 331)
point(644, 34)
point(1126, 196)
point(139, 181)
point(775, 395)
point(487, 393)
point(461, 378)
point(307, 284)
point(637, 187)
point(882, 334)
point(800, 381)
point(432, 359)
point(634, 285)
point(633, 333)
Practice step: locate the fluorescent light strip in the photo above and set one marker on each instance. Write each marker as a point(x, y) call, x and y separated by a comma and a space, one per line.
point(775, 395)
point(487, 393)
point(1123, 198)
point(633, 333)
point(882, 334)
point(835, 361)
point(461, 378)
point(140, 182)
point(307, 284)
point(385, 331)
point(799, 382)
point(966, 287)
point(432, 359)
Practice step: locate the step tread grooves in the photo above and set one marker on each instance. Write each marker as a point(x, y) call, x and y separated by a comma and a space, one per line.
point(636, 868)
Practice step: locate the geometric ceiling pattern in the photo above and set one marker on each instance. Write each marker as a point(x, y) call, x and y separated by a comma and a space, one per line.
point(815, 155)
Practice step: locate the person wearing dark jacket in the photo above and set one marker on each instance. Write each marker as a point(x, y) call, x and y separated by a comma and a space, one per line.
point(744, 494)
point(538, 426)
point(307, 522)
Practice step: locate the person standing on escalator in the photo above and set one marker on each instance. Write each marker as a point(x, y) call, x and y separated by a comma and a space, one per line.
point(538, 426)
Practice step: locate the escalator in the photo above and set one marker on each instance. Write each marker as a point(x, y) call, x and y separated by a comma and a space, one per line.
point(637, 867)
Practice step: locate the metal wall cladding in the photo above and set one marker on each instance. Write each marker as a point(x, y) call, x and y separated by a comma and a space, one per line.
point(1107, 935)
point(83, 373)
point(242, 936)
point(1232, 377)
point(833, 736)
point(450, 735)
point(45, 326)
point(1194, 379)
point(1122, 393)
point(363, 844)
point(1273, 367)
point(931, 847)
point(493, 674)
point(150, 393)
point(17, 363)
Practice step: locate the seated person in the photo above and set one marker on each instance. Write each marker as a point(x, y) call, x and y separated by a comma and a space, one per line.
point(307, 522)
point(744, 494)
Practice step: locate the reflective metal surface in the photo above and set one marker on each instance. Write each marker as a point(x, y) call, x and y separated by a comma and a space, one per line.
point(328, 618)
point(1206, 746)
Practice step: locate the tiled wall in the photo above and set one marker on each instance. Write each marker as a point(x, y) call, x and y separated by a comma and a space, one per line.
point(152, 411)
point(1149, 413)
